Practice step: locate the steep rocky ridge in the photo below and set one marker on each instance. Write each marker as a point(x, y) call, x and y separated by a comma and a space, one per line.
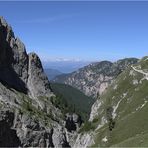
point(96, 77)
point(27, 116)
point(19, 70)
point(37, 81)
point(119, 116)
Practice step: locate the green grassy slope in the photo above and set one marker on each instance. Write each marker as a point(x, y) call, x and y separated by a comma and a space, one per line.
point(74, 100)
point(124, 109)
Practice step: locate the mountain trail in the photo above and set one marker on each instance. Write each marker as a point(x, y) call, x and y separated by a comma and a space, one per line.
point(141, 71)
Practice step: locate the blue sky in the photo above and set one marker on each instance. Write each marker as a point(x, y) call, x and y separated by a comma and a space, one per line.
point(89, 31)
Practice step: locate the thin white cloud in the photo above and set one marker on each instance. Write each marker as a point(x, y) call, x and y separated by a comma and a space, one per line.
point(60, 59)
point(47, 19)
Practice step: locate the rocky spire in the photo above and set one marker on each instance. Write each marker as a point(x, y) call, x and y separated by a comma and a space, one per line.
point(36, 77)
point(18, 69)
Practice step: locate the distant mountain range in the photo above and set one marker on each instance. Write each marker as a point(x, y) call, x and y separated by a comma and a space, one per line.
point(94, 78)
point(65, 66)
point(52, 73)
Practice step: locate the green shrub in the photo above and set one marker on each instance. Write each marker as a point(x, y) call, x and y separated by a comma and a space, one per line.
point(87, 127)
point(95, 120)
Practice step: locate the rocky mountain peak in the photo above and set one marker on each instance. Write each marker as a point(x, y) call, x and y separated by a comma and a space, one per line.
point(7, 29)
point(3, 21)
point(18, 69)
point(94, 79)
point(36, 77)
point(27, 115)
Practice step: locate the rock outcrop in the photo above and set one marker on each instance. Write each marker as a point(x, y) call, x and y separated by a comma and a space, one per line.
point(13, 59)
point(18, 69)
point(73, 122)
point(21, 130)
point(8, 136)
point(27, 117)
point(37, 83)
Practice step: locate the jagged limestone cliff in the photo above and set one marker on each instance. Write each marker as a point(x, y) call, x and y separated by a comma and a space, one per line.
point(27, 116)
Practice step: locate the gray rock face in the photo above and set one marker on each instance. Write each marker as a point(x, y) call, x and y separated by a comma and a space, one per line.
point(27, 117)
point(73, 122)
point(36, 77)
point(20, 63)
point(96, 77)
point(19, 70)
point(6, 130)
point(13, 59)
point(21, 130)
point(32, 133)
